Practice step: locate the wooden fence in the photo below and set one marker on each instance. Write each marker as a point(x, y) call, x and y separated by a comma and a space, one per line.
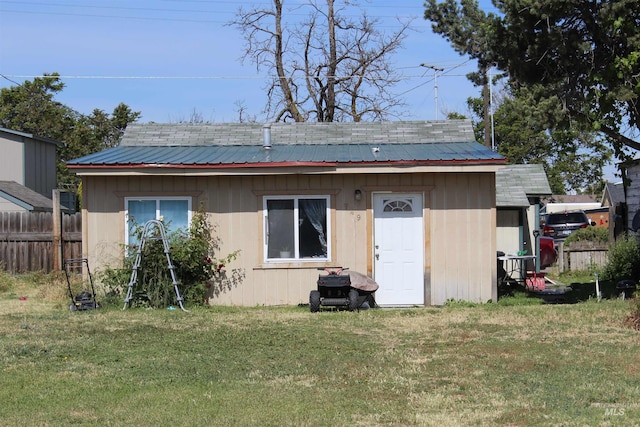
point(28, 242)
point(582, 256)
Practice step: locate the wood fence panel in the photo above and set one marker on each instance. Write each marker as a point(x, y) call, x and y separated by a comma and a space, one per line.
point(26, 240)
point(582, 256)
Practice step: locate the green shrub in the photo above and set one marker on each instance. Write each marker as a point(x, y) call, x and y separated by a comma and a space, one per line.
point(623, 261)
point(589, 234)
point(199, 273)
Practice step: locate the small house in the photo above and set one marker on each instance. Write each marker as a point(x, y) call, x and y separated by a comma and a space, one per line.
point(520, 189)
point(28, 160)
point(411, 204)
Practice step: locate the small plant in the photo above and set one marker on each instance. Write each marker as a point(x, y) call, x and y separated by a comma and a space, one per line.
point(623, 261)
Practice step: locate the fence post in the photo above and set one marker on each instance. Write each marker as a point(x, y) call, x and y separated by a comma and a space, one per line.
point(561, 256)
point(57, 232)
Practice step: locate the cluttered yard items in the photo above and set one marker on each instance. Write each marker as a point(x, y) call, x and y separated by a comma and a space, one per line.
point(152, 230)
point(86, 298)
point(339, 288)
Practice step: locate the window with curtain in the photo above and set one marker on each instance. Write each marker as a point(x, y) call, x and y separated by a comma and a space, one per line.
point(296, 228)
point(175, 212)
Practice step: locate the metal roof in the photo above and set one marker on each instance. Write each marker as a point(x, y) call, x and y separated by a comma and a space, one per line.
point(294, 144)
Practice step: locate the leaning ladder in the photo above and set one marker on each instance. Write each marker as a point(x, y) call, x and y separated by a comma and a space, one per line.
point(147, 234)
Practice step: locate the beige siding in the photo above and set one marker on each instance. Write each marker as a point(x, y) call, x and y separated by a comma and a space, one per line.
point(7, 206)
point(12, 159)
point(459, 217)
point(463, 238)
point(508, 231)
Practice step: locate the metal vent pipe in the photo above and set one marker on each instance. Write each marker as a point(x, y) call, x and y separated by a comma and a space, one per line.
point(266, 136)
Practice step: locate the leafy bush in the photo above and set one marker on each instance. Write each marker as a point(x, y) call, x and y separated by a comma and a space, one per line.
point(589, 234)
point(199, 273)
point(623, 261)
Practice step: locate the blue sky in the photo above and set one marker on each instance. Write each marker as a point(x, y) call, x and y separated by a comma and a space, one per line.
point(169, 58)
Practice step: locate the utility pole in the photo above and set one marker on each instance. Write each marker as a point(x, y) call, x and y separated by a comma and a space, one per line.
point(435, 82)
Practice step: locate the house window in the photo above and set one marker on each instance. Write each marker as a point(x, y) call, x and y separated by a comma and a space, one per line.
point(398, 206)
point(296, 228)
point(175, 212)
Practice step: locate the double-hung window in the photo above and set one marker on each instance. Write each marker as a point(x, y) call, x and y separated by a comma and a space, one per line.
point(296, 228)
point(175, 212)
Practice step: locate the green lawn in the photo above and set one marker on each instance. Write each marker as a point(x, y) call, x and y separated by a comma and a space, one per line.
point(573, 364)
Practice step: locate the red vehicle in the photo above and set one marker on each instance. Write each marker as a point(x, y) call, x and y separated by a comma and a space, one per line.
point(548, 252)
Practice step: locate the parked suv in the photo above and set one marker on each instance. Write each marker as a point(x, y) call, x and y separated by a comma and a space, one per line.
point(560, 225)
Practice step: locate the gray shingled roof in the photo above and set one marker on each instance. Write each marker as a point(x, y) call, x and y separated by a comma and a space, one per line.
point(24, 197)
point(299, 133)
point(616, 193)
point(241, 144)
point(515, 183)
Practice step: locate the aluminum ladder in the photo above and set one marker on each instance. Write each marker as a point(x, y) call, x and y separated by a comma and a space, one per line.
point(161, 233)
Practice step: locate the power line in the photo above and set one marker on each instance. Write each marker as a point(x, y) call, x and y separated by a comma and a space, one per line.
point(169, 10)
point(218, 77)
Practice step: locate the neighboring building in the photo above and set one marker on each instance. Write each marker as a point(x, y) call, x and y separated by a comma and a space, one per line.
point(613, 198)
point(519, 191)
point(412, 204)
point(28, 160)
point(631, 179)
point(18, 198)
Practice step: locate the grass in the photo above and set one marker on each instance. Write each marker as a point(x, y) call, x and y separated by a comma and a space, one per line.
point(493, 364)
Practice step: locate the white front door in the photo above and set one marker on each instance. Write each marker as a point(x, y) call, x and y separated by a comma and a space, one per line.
point(398, 248)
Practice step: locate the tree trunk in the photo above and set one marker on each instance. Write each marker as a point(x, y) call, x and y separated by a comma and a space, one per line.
point(333, 64)
point(279, 53)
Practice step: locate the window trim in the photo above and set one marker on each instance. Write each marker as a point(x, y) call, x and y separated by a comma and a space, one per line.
point(157, 199)
point(296, 198)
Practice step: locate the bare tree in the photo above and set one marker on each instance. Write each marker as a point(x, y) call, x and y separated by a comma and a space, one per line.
point(327, 67)
point(243, 115)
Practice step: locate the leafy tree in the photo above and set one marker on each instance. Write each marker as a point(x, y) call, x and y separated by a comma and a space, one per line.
point(328, 67)
point(31, 107)
point(464, 26)
point(525, 131)
point(584, 53)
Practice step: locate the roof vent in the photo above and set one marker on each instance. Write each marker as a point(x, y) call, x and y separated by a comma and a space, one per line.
point(266, 136)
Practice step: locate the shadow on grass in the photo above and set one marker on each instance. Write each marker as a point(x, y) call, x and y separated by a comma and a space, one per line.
point(574, 293)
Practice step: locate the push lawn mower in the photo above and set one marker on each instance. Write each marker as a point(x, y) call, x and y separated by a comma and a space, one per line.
point(86, 299)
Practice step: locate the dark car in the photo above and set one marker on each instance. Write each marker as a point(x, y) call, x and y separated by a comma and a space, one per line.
point(560, 225)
